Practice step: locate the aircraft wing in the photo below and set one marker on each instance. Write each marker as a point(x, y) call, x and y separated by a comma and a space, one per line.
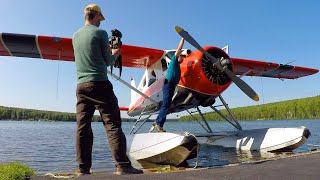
point(269, 69)
point(59, 48)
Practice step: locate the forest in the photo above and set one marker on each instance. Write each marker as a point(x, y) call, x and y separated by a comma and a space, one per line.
point(12, 113)
point(304, 108)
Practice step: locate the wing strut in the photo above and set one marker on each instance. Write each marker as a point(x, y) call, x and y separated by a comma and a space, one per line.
point(208, 130)
point(233, 120)
point(131, 87)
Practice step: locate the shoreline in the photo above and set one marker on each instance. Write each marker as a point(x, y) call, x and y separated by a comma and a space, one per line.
point(295, 166)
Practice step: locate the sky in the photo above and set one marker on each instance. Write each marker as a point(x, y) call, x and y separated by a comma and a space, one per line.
point(268, 30)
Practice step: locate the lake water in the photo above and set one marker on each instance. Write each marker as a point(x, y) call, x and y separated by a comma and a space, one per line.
point(49, 147)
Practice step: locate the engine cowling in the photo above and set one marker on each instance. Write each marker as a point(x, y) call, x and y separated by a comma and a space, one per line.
point(199, 74)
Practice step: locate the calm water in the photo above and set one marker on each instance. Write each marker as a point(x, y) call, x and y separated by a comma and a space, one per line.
point(50, 146)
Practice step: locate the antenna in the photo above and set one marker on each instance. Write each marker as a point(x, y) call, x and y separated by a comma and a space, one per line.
point(290, 62)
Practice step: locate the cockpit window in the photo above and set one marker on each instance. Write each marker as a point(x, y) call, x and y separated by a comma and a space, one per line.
point(170, 54)
point(164, 64)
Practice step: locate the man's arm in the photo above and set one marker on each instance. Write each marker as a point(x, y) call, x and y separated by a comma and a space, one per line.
point(116, 52)
point(178, 52)
point(106, 51)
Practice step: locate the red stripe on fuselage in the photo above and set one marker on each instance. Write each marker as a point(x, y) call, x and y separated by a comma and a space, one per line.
point(149, 92)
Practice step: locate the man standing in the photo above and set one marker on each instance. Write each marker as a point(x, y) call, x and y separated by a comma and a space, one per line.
point(94, 91)
point(172, 79)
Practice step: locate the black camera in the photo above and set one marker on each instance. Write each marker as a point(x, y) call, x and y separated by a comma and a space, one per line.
point(115, 39)
point(115, 43)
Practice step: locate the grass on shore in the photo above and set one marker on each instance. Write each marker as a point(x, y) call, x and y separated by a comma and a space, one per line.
point(15, 171)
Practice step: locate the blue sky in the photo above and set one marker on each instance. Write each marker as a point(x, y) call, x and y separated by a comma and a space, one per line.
point(275, 31)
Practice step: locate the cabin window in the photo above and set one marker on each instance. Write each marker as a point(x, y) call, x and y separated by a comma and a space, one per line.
point(153, 74)
point(151, 81)
point(164, 64)
point(152, 78)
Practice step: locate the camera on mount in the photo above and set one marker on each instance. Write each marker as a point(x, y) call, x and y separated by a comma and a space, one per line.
point(115, 43)
point(115, 39)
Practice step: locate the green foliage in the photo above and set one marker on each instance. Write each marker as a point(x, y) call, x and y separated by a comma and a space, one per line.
point(11, 113)
point(305, 108)
point(15, 171)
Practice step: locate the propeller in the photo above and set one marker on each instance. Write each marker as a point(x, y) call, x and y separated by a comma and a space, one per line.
point(239, 82)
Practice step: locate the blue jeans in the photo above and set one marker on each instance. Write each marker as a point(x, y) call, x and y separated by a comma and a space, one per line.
point(168, 90)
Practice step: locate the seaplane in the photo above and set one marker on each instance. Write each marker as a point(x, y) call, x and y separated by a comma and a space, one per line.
point(205, 74)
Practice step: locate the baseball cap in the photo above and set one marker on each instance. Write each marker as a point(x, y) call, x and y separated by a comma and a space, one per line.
point(93, 7)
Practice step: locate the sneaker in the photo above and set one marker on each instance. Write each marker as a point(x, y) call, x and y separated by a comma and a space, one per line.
point(127, 170)
point(158, 128)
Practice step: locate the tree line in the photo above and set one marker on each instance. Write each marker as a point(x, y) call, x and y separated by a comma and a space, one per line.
point(305, 108)
point(12, 113)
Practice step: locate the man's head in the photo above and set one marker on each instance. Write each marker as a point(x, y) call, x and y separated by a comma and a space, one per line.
point(183, 55)
point(93, 14)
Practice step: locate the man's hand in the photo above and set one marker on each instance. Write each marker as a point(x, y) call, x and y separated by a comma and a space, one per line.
point(178, 51)
point(116, 52)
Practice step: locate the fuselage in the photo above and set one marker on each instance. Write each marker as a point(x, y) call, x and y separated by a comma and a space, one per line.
point(200, 83)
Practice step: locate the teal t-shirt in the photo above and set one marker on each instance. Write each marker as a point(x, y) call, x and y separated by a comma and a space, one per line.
point(92, 54)
point(173, 72)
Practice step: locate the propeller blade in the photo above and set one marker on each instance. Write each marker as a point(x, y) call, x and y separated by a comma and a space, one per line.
point(242, 85)
point(239, 82)
point(194, 43)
